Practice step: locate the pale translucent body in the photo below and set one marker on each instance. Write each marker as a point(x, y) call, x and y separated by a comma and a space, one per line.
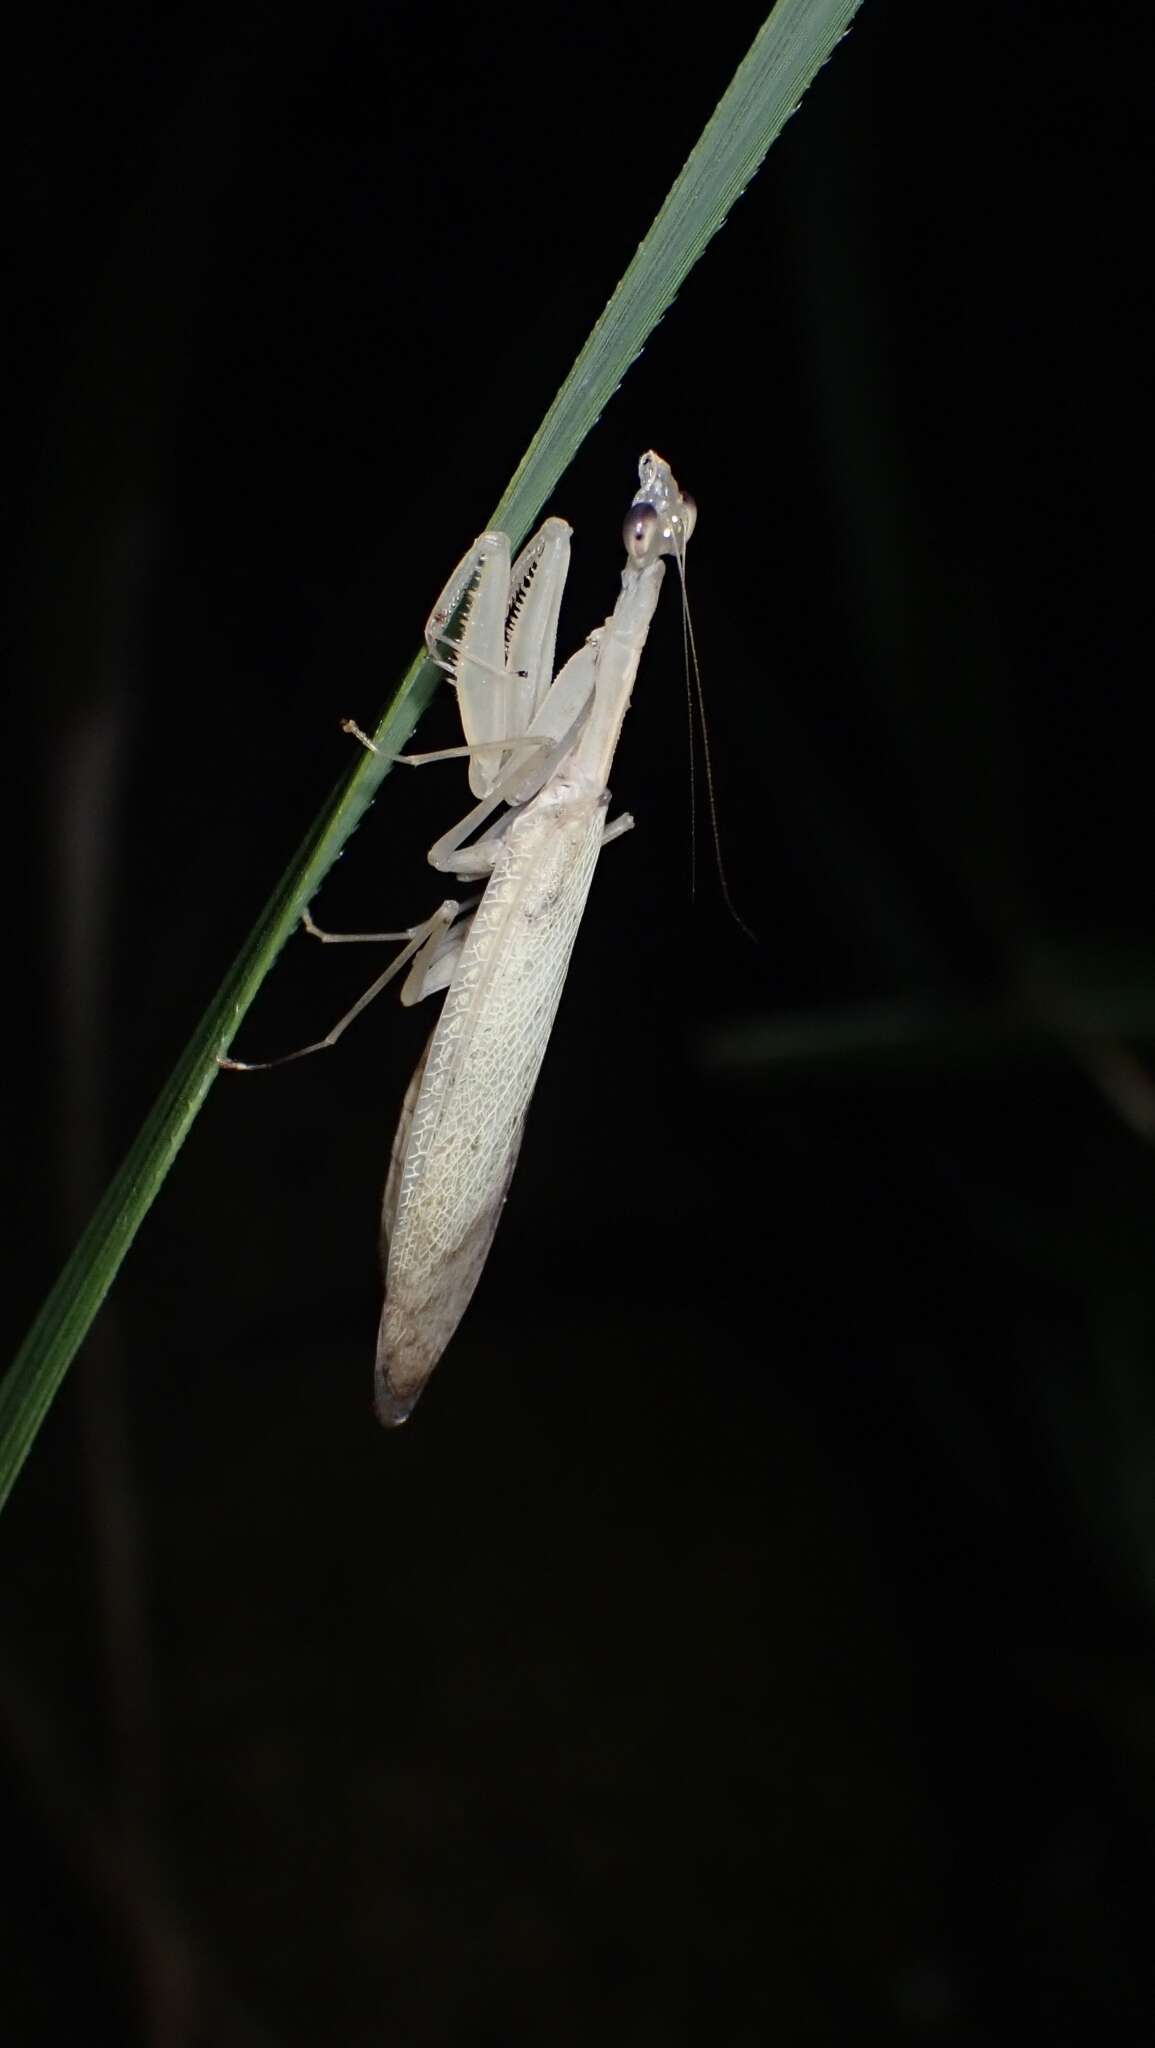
point(477, 1080)
point(463, 1118)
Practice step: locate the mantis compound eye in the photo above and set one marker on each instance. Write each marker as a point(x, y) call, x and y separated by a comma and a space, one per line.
point(684, 526)
point(641, 530)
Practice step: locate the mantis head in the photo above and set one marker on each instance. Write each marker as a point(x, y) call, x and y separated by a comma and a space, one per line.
point(661, 518)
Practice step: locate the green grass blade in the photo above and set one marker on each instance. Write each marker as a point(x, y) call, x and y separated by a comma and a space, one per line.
point(790, 47)
point(787, 52)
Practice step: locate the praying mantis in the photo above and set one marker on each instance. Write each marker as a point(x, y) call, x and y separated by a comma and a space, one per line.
point(540, 750)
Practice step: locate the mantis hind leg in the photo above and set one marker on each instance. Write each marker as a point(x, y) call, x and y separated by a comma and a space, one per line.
point(424, 949)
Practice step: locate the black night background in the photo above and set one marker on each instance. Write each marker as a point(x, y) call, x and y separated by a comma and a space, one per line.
point(750, 1639)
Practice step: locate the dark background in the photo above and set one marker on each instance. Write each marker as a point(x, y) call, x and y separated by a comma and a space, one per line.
point(750, 1639)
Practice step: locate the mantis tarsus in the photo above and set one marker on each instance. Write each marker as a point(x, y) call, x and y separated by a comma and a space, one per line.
point(540, 749)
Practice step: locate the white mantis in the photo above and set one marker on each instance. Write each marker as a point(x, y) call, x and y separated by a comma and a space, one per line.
point(540, 750)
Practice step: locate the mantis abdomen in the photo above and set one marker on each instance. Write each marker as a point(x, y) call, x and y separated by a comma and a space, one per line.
point(461, 1129)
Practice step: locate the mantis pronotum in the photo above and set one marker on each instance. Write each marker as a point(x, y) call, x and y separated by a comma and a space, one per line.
point(540, 752)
